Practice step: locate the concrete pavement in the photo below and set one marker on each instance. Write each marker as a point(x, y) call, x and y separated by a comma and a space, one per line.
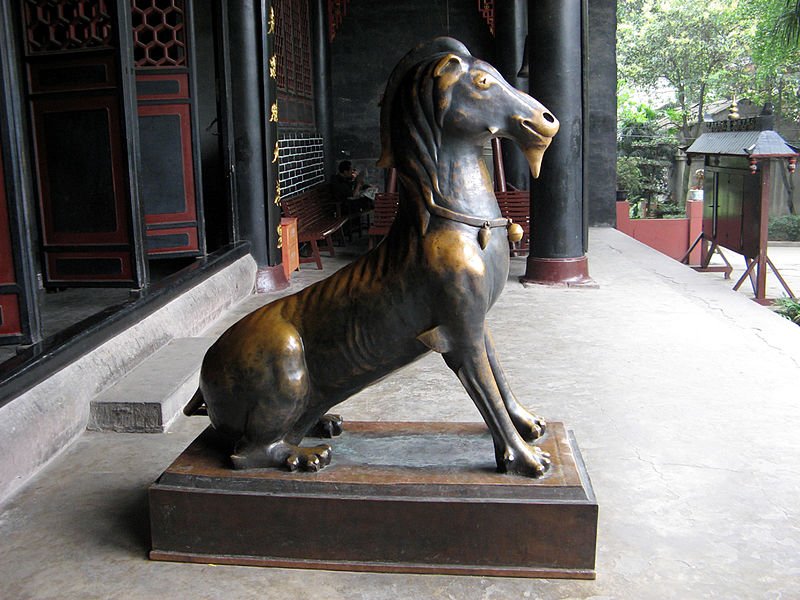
point(683, 396)
point(786, 258)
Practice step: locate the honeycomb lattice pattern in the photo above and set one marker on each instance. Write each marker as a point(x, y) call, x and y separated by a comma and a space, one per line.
point(54, 25)
point(159, 33)
point(293, 48)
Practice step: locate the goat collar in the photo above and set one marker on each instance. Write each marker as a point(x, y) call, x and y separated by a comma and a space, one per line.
point(485, 225)
point(446, 213)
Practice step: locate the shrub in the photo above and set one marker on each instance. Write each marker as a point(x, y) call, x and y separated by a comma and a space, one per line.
point(629, 176)
point(789, 309)
point(669, 210)
point(785, 228)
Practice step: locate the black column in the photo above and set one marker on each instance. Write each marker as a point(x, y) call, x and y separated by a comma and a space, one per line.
point(510, 28)
point(252, 96)
point(601, 143)
point(555, 37)
point(323, 99)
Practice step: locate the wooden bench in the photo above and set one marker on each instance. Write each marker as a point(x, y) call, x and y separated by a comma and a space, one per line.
point(516, 205)
point(316, 220)
point(383, 215)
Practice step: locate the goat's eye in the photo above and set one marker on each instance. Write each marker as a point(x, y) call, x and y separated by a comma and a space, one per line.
point(482, 81)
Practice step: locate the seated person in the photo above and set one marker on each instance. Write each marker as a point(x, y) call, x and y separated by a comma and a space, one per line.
point(350, 191)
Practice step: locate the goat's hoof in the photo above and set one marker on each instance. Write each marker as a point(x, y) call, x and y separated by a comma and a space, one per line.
point(309, 459)
point(328, 426)
point(531, 462)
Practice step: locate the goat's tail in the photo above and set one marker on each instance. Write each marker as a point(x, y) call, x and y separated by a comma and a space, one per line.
point(193, 407)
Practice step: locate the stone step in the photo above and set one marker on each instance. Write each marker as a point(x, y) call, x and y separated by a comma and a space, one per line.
point(149, 398)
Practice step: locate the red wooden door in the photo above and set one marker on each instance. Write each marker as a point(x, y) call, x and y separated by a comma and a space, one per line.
point(162, 50)
point(10, 317)
point(75, 92)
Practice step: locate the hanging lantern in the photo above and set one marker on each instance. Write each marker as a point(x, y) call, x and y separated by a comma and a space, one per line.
point(792, 164)
point(753, 166)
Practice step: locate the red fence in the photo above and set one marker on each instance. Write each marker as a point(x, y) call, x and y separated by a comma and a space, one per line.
point(669, 236)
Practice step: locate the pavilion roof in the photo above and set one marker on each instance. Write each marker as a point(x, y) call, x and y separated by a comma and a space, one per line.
point(743, 143)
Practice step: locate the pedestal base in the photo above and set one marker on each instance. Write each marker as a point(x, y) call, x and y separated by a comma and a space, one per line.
point(397, 497)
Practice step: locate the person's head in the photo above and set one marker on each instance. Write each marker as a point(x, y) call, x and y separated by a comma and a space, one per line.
point(345, 168)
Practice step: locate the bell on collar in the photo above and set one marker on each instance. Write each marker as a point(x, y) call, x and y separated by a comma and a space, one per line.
point(514, 232)
point(483, 235)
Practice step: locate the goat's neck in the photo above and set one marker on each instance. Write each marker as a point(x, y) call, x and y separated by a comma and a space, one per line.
point(464, 181)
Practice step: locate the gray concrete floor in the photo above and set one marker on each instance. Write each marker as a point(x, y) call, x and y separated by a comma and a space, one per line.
point(786, 258)
point(683, 396)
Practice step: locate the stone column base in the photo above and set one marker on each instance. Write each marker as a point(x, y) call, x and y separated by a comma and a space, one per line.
point(271, 279)
point(571, 272)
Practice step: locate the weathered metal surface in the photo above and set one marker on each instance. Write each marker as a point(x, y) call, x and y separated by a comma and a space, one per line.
point(383, 506)
point(428, 286)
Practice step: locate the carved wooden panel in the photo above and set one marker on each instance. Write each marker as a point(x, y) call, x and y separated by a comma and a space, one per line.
point(293, 62)
point(53, 25)
point(159, 33)
point(167, 135)
point(78, 125)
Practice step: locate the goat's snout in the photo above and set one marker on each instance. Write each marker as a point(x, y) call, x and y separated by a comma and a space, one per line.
point(542, 123)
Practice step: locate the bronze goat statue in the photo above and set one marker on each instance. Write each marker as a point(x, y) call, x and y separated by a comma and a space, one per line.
point(273, 375)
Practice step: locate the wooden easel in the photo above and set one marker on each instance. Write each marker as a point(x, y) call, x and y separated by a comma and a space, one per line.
point(706, 257)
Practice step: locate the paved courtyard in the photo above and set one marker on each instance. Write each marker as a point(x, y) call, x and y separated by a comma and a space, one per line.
point(683, 396)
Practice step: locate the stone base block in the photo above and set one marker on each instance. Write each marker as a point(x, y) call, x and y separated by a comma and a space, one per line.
point(397, 497)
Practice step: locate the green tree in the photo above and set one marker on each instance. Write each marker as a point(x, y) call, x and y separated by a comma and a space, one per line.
point(788, 22)
point(742, 48)
point(683, 44)
point(773, 74)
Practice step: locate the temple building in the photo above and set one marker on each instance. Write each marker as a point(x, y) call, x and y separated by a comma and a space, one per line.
point(146, 147)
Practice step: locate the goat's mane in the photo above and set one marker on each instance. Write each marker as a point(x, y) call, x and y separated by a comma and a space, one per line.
point(412, 114)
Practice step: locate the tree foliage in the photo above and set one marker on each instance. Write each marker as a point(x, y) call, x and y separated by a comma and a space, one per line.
point(710, 51)
point(787, 23)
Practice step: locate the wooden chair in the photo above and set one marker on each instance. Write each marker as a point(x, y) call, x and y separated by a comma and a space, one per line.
point(516, 205)
point(316, 220)
point(383, 216)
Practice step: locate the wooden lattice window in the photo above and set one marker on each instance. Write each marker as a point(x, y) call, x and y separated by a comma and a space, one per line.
point(293, 55)
point(159, 33)
point(57, 25)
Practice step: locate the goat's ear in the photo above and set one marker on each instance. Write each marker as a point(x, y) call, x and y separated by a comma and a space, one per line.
point(449, 69)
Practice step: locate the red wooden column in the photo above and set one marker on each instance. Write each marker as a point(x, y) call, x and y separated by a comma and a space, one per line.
point(761, 272)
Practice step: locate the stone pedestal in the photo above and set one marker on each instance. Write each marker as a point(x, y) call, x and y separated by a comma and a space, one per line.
point(397, 497)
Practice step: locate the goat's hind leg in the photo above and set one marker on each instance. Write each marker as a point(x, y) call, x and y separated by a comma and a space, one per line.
point(279, 399)
point(270, 441)
point(530, 426)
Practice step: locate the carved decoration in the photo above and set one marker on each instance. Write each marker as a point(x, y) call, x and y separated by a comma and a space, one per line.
point(486, 8)
point(159, 33)
point(292, 68)
point(53, 25)
point(337, 10)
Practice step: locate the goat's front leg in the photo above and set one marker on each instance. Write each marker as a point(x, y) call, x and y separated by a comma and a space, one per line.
point(529, 426)
point(470, 363)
